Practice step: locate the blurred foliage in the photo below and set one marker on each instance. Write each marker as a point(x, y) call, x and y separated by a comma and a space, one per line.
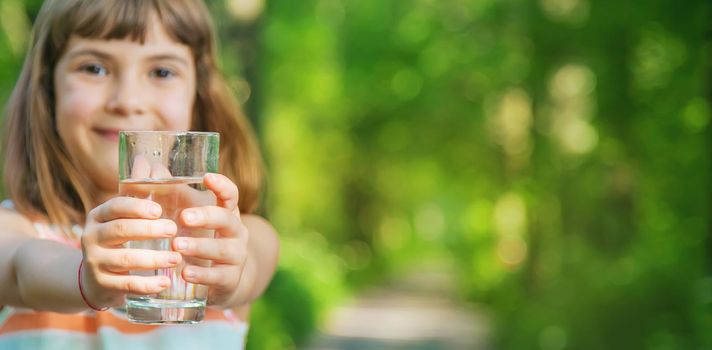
point(558, 150)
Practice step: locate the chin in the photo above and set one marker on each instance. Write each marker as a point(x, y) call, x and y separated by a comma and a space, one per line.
point(108, 181)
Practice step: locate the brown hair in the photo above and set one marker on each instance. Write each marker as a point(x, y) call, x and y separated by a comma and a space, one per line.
point(39, 176)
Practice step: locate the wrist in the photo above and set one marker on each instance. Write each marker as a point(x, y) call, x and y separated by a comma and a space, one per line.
point(82, 290)
point(241, 294)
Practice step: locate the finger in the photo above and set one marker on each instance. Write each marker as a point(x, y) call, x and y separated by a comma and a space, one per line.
point(224, 277)
point(222, 250)
point(141, 168)
point(189, 195)
point(126, 207)
point(118, 231)
point(160, 171)
point(225, 190)
point(124, 260)
point(212, 217)
point(135, 284)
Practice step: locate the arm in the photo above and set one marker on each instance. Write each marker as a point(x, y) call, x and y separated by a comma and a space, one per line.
point(36, 273)
point(42, 274)
point(262, 257)
point(47, 276)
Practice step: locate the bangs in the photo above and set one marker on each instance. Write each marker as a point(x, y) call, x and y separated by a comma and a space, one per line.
point(184, 21)
point(114, 19)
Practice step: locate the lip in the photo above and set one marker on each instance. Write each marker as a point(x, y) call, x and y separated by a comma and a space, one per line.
point(110, 133)
point(107, 133)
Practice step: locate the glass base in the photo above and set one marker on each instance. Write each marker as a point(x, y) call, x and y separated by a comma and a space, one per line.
point(147, 310)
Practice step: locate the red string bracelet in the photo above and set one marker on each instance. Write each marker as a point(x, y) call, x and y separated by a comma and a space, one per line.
point(81, 290)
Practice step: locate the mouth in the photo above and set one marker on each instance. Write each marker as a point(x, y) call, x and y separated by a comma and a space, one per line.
point(107, 133)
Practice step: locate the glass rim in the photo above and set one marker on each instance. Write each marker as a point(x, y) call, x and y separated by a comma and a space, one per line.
point(169, 132)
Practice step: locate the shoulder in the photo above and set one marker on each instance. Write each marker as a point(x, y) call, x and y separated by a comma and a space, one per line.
point(14, 223)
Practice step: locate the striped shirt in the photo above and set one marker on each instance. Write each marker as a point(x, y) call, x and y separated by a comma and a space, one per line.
point(22, 328)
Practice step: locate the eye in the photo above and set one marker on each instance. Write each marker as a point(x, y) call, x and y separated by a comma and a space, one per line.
point(94, 69)
point(163, 73)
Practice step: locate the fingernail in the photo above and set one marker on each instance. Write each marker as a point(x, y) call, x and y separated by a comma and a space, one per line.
point(211, 177)
point(168, 228)
point(155, 210)
point(164, 283)
point(188, 272)
point(173, 258)
point(181, 244)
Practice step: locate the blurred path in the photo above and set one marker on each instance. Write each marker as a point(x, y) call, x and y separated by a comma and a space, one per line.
point(417, 311)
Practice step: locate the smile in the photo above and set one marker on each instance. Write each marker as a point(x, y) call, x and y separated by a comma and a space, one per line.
point(109, 134)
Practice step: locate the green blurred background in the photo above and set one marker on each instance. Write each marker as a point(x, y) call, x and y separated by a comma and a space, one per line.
point(554, 153)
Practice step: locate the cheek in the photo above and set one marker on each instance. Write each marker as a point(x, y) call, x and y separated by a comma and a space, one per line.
point(75, 104)
point(177, 110)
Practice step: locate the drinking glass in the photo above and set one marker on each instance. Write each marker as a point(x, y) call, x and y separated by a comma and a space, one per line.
point(167, 167)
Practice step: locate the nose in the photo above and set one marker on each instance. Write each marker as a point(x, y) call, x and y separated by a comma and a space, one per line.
point(128, 97)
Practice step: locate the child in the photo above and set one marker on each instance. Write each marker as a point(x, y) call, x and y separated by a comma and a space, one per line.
point(96, 67)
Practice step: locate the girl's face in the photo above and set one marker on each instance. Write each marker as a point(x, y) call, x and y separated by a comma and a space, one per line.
point(104, 86)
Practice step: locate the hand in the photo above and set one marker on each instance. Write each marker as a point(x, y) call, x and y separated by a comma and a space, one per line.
point(105, 275)
point(227, 251)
